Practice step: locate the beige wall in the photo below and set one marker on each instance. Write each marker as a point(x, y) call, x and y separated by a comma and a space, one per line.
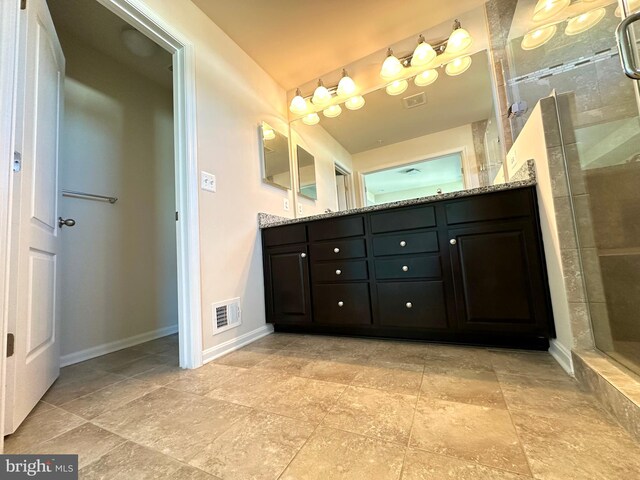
point(118, 264)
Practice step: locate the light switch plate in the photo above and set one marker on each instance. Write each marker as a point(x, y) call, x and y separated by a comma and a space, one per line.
point(285, 204)
point(208, 181)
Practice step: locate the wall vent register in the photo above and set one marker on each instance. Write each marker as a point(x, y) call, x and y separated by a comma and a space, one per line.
point(226, 315)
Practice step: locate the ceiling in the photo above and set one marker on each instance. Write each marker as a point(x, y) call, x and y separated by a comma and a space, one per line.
point(99, 28)
point(295, 41)
point(435, 172)
point(451, 102)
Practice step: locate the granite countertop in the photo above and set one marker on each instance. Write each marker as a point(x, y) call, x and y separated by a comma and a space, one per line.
point(524, 177)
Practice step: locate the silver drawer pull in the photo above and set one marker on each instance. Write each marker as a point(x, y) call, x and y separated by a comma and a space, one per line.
point(336, 250)
point(409, 305)
point(338, 272)
point(303, 255)
point(405, 268)
point(403, 243)
point(341, 304)
point(453, 241)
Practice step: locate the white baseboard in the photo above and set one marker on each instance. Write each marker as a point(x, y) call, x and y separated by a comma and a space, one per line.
point(111, 347)
point(236, 343)
point(562, 355)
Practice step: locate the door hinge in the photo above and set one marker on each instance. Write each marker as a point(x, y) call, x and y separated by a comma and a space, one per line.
point(17, 161)
point(23, 4)
point(176, 216)
point(11, 340)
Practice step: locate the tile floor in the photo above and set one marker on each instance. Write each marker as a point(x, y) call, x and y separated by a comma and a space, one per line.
point(296, 407)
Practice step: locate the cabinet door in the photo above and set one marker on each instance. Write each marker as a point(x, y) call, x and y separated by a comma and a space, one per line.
point(498, 277)
point(287, 285)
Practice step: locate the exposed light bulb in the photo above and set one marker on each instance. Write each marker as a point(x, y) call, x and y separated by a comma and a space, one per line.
point(346, 86)
point(545, 9)
point(332, 112)
point(584, 22)
point(459, 40)
point(298, 104)
point(538, 37)
point(391, 67)
point(397, 87)
point(321, 96)
point(458, 66)
point(311, 119)
point(268, 133)
point(426, 78)
point(423, 54)
point(355, 103)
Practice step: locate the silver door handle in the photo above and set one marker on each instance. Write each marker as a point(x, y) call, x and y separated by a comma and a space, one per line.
point(625, 46)
point(69, 222)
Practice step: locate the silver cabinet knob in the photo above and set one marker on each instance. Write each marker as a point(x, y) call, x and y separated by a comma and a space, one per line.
point(453, 241)
point(403, 243)
point(338, 272)
point(303, 255)
point(69, 222)
point(341, 304)
point(405, 268)
point(409, 305)
point(336, 250)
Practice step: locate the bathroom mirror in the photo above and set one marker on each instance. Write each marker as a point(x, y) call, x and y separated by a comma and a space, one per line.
point(306, 174)
point(276, 169)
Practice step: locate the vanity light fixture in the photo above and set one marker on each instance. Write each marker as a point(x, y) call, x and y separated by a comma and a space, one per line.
point(346, 86)
point(298, 104)
point(633, 6)
point(458, 66)
point(321, 96)
point(311, 119)
point(332, 112)
point(397, 87)
point(546, 9)
point(426, 78)
point(584, 22)
point(391, 67)
point(423, 54)
point(355, 103)
point(268, 133)
point(459, 40)
point(538, 37)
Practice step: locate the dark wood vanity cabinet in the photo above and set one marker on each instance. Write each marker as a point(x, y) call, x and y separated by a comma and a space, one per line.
point(467, 270)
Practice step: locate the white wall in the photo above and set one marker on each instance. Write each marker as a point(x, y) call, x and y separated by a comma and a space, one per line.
point(118, 264)
point(417, 192)
point(420, 148)
point(327, 151)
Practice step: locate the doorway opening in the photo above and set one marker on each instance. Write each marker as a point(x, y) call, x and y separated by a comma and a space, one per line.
point(343, 188)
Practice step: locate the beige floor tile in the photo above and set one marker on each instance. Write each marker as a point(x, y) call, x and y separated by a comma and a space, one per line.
point(143, 365)
point(401, 352)
point(374, 413)
point(175, 423)
point(162, 375)
point(74, 384)
point(331, 371)
point(40, 428)
point(130, 461)
point(87, 441)
point(204, 379)
point(471, 432)
point(115, 359)
point(573, 447)
point(303, 398)
point(532, 364)
point(274, 341)
point(108, 398)
point(243, 358)
point(287, 362)
point(189, 473)
point(160, 346)
point(420, 465)
point(257, 447)
point(394, 377)
point(249, 387)
point(478, 387)
point(41, 407)
point(337, 455)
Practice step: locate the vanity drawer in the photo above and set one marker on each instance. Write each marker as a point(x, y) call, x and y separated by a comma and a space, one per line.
point(494, 206)
point(338, 249)
point(284, 235)
point(412, 304)
point(342, 304)
point(403, 219)
point(339, 271)
point(404, 243)
point(408, 267)
point(336, 228)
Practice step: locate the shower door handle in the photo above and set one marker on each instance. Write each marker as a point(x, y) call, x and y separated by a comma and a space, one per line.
point(626, 47)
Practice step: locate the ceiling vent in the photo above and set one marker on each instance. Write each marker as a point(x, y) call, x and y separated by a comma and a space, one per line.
point(226, 315)
point(414, 101)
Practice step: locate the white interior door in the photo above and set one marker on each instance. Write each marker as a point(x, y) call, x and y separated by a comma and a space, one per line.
point(35, 363)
